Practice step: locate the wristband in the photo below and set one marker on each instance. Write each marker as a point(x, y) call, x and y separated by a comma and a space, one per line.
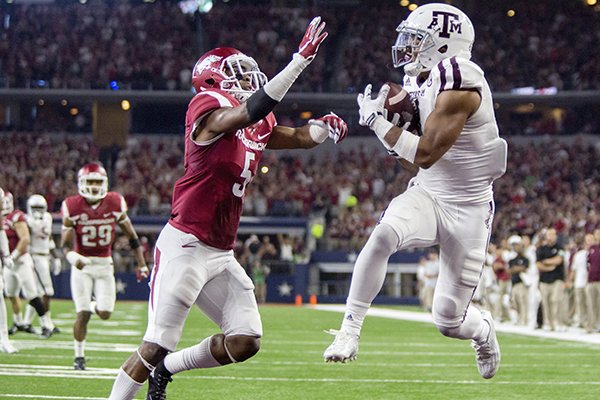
point(381, 127)
point(72, 257)
point(134, 243)
point(15, 254)
point(317, 132)
point(406, 146)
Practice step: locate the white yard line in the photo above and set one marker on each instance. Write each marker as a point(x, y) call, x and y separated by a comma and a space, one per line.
point(572, 334)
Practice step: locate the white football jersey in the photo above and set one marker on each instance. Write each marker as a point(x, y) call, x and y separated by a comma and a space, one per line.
point(466, 172)
point(41, 234)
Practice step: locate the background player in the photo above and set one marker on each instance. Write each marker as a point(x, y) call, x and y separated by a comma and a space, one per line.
point(450, 201)
point(41, 246)
point(228, 125)
point(21, 276)
point(6, 262)
point(88, 233)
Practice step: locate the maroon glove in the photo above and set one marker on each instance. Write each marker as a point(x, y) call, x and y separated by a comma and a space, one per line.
point(312, 39)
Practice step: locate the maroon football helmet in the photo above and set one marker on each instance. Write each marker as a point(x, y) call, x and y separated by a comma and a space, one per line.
point(230, 70)
point(92, 182)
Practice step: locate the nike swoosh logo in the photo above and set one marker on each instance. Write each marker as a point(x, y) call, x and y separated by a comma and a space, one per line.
point(188, 245)
point(261, 137)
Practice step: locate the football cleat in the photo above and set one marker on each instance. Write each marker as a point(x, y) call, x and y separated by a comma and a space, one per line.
point(487, 351)
point(46, 333)
point(55, 330)
point(344, 347)
point(79, 363)
point(13, 329)
point(157, 383)
point(7, 347)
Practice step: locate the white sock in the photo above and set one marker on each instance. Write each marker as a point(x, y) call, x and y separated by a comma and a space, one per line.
point(354, 316)
point(3, 323)
point(198, 356)
point(17, 318)
point(29, 315)
point(79, 348)
point(368, 276)
point(124, 387)
point(46, 321)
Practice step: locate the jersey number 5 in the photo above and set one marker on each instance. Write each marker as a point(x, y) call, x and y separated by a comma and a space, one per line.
point(92, 236)
point(239, 189)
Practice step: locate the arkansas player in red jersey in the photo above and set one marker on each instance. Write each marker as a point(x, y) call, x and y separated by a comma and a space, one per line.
point(7, 262)
point(228, 126)
point(88, 233)
point(19, 273)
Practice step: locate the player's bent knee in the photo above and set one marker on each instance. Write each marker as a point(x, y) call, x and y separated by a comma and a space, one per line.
point(104, 314)
point(446, 316)
point(152, 353)
point(383, 240)
point(241, 347)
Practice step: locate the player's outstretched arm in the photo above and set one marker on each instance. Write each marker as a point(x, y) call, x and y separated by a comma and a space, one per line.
point(261, 103)
point(308, 136)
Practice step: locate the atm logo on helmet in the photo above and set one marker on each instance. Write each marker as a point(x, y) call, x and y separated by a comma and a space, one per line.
point(449, 24)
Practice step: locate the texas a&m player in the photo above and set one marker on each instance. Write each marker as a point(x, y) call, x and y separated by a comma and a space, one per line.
point(89, 226)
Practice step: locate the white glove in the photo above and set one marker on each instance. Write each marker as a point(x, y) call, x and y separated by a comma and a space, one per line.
point(76, 259)
point(369, 109)
point(56, 266)
point(8, 262)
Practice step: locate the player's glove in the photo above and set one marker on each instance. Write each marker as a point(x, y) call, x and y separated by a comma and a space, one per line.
point(371, 112)
point(8, 262)
point(56, 266)
point(77, 260)
point(329, 125)
point(141, 273)
point(313, 37)
point(368, 108)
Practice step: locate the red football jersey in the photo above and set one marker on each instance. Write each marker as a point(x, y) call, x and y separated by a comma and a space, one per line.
point(94, 226)
point(207, 199)
point(9, 227)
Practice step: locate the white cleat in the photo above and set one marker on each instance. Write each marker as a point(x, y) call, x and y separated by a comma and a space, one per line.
point(343, 348)
point(7, 347)
point(488, 350)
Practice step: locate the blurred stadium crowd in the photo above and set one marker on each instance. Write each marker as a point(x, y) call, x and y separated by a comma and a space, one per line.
point(153, 45)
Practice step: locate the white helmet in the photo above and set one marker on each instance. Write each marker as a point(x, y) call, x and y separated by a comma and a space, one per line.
point(8, 203)
point(37, 206)
point(431, 33)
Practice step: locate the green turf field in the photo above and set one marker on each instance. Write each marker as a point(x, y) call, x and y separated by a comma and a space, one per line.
point(397, 360)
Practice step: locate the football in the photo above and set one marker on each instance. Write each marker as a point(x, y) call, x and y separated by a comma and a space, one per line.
point(401, 109)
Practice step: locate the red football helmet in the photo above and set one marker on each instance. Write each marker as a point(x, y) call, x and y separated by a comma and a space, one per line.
point(8, 203)
point(230, 70)
point(92, 182)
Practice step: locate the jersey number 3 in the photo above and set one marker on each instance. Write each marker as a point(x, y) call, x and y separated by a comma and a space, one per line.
point(93, 236)
point(239, 189)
